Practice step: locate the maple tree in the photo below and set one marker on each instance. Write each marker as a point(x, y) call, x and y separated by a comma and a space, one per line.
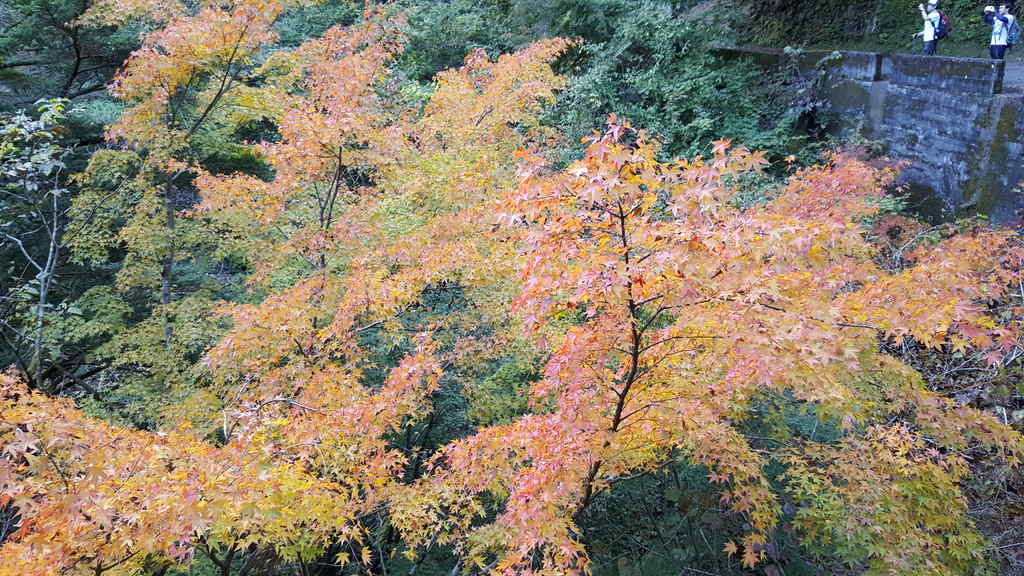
point(298, 395)
point(669, 311)
point(104, 499)
point(179, 90)
point(371, 212)
point(905, 497)
point(174, 86)
point(373, 205)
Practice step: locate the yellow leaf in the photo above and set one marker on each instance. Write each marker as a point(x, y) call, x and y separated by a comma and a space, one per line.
point(730, 548)
point(750, 557)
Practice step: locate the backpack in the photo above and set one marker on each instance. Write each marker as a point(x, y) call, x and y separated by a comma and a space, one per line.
point(1013, 34)
point(945, 24)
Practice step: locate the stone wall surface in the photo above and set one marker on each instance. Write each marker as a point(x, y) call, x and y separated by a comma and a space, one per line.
point(966, 76)
point(950, 120)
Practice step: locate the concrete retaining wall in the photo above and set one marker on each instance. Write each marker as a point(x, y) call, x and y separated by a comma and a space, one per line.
point(949, 118)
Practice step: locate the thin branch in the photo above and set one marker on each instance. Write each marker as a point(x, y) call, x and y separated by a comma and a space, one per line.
point(23, 251)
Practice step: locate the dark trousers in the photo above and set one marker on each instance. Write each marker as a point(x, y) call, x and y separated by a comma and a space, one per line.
point(930, 47)
point(997, 52)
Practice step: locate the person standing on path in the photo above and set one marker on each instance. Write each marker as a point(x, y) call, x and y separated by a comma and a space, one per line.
point(1002, 22)
point(930, 34)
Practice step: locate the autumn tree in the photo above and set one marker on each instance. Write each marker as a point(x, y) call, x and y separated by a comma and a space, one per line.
point(300, 376)
point(374, 205)
point(103, 499)
point(179, 90)
point(669, 311)
point(371, 203)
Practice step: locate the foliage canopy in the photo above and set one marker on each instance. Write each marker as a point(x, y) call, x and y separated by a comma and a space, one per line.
point(360, 317)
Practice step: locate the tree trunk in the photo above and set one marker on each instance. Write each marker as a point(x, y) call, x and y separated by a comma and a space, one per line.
point(167, 270)
point(45, 278)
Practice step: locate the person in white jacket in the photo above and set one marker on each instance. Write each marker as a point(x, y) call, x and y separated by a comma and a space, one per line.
point(1002, 21)
point(930, 34)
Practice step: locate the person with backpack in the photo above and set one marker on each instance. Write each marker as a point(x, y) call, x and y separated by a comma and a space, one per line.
point(933, 29)
point(1005, 30)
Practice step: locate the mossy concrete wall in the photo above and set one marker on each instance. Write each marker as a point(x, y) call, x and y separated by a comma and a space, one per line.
point(949, 119)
